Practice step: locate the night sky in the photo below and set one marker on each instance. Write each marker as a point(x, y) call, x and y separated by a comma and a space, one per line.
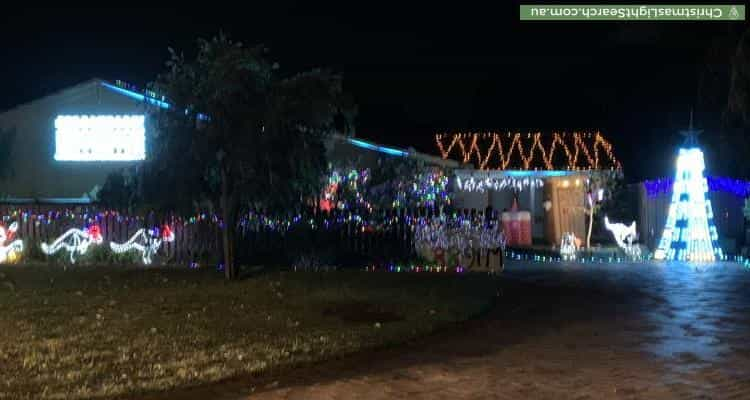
point(415, 72)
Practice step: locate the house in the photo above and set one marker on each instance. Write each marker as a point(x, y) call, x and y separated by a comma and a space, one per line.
point(67, 143)
point(53, 157)
point(545, 177)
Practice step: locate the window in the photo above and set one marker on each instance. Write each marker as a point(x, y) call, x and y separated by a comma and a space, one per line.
point(100, 138)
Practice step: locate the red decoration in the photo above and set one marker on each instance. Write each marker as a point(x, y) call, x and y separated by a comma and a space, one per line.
point(167, 234)
point(10, 232)
point(326, 205)
point(94, 232)
point(439, 256)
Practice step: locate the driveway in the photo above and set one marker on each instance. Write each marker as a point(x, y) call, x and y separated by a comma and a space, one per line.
point(561, 331)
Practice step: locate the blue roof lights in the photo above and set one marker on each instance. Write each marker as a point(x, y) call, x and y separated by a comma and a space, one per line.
point(136, 96)
point(146, 99)
point(163, 104)
point(382, 149)
point(537, 174)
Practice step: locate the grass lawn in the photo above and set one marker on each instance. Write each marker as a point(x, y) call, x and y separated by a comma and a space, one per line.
point(110, 332)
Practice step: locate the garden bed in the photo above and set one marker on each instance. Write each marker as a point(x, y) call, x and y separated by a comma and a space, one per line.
point(113, 332)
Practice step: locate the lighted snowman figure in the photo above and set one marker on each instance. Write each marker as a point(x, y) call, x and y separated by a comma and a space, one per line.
point(75, 241)
point(9, 248)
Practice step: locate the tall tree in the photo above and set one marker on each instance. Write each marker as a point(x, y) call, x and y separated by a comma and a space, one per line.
point(723, 109)
point(239, 135)
point(7, 140)
point(598, 184)
point(119, 190)
point(738, 104)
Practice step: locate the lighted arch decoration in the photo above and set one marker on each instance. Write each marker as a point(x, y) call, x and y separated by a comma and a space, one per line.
point(581, 150)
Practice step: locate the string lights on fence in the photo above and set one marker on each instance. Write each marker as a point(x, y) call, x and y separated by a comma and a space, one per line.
point(583, 151)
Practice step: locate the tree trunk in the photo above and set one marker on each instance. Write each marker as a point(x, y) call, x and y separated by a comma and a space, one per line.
point(591, 226)
point(228, 217)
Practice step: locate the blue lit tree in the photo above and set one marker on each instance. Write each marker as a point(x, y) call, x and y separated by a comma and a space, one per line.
point(689, 233)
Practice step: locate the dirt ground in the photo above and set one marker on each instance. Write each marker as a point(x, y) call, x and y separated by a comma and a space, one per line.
point(562, 331)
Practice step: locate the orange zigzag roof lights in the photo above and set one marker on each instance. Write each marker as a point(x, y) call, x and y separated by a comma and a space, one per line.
point(577, 151)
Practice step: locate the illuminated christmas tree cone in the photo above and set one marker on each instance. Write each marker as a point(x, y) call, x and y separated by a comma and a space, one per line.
point(690, 233)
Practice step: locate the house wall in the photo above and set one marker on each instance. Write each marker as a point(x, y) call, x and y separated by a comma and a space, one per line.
point(728, 217)
point(36, 173)
point(470, 200)
point(531, 200)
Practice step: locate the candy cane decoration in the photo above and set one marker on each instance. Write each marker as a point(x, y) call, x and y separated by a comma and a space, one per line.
point(145, 243)
point(74, 241)
point(8, 251)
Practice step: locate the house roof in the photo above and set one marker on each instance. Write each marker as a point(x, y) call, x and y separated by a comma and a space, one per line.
point(61, 92)
point(393, 151)
point(118, 87)
point(151, 98)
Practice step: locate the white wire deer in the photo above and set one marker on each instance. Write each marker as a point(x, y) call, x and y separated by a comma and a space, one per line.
point(75, 241)
point(145, 242)
point(15, 246)
point(624, 235)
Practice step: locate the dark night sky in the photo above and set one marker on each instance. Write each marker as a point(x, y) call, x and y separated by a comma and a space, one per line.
point(414, 71)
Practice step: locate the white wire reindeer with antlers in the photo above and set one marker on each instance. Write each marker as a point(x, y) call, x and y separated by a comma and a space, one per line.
point(145, 242)
point(15, 246)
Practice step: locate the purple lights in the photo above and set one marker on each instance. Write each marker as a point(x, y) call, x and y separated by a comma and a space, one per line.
point(736, 187)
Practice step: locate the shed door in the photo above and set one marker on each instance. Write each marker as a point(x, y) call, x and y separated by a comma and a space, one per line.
point(571, 216)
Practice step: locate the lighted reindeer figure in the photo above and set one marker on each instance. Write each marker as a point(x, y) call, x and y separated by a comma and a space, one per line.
point(145, 242)
point(8, 251)
point(624, 236)
point(75, 241)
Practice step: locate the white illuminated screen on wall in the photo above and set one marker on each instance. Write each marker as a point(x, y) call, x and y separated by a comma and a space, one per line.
point(100, 138)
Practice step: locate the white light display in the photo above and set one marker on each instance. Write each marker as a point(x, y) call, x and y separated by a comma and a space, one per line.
point(100, 138)
point(9, 251)
point(482, 185)
point(690, 233)
point(568, 246)
point(74, 241)
point(624, 236)
point(146, 243)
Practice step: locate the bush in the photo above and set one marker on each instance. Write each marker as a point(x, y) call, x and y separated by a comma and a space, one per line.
point(33, 252)
point(103, 255)
point(96, 255)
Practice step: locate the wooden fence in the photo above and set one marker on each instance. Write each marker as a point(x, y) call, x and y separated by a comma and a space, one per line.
point(336, 233)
